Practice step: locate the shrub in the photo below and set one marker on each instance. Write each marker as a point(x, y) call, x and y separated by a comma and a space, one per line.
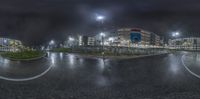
point(23, 54)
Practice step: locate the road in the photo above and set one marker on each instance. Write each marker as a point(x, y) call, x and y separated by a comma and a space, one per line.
point(67, 76)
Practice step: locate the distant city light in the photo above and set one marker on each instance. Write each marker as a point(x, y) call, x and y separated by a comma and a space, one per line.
point(42, 47)
point(52, 42)
point(102, 34)
point(5, 41)
point(175, 34)
point(71, 39)
point(111, 39)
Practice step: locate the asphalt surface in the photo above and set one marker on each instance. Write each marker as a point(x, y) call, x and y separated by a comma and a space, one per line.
point(71, 77)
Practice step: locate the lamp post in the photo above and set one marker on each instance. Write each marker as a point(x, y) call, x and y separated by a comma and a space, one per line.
point(51, 43)
point(175, 35)
point(111, 39)
point(71, 41)
point(102, 41)
point(100, 18)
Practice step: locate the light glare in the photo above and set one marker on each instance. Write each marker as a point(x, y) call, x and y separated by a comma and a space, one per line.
point(100, 17)
point(102, 34)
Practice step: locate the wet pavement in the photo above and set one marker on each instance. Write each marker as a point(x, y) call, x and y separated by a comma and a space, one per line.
point(66, 76)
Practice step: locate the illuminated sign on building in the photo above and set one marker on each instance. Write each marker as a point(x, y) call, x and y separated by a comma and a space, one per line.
point(135, 37)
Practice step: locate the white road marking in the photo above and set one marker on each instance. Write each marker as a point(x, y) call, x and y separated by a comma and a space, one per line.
point(27, 79)
point(188, 68)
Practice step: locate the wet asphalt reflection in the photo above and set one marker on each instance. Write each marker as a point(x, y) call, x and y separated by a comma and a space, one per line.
point(73, 77)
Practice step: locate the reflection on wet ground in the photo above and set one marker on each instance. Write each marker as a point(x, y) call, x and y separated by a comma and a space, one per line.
point(72, 77)
point(19, 69)
point(191, 62)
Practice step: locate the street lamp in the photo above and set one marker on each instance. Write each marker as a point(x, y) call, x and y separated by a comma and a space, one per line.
point(52, 42)
point(100, 18)
point(102, 40)
point(102, 34)
point(71, 40)
point(111, 39)
point(5, 40)
point(175, 35)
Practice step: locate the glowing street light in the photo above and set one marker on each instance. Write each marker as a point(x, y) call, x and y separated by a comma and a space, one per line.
point(5, 41)
point(52, 42)
point(71, 39)
point(102, 41)
point(175, 34)
point(100, 18)
point(111, 39)
point(102, 34)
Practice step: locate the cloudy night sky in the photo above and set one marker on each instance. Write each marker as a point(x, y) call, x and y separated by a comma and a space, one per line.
point(37, 21)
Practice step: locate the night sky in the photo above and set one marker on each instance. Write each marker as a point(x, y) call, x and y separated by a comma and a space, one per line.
point(38, 21)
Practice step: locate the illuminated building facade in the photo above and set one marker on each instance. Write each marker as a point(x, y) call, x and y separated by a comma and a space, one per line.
point(191, 43)
point(146, 38)
point(7, 44)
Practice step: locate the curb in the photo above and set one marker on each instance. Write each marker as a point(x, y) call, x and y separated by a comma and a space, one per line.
point(135, 57)
point(118, 57)
point(32, 59)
